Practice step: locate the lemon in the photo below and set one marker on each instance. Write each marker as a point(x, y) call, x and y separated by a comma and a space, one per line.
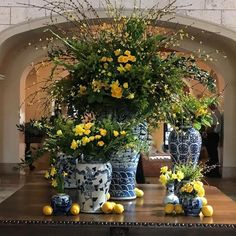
point(118, 208)
point(138, 192)
point(207, 210)
point(204, 201)
point(108, 196)
point(75, 209)
point(107, 207)
point(47, 210)
point(169, 208)
point(178, 209)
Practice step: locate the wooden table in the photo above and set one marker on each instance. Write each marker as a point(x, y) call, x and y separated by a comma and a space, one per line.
point(21, 214)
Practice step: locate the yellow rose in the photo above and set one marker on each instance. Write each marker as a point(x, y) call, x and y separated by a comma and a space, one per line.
point(101, 143)
point(85, 140)
point(91, 138)
point(109, 59)
point(88, 125)
point(87, 132)
point(116, 91)
point(74, 145)
point(59, 132)
point(201, 192)
point(127, 53)
point(103, 132)
point(164, 169)
point(123, 132)
point(103, 59)
point(115, 133)
point(131, 58)
point(128, 67)
point(117, 52)
point(79, 130)
point(125, 85)
point(98, 136)
point(163, 179)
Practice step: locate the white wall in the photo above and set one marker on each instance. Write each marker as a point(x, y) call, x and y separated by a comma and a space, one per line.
point(221, 12)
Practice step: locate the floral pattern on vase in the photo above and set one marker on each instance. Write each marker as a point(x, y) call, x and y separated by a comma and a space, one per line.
point(191, 205)
point(185, 145)
point(124, 167)
point(93, 184)
point(68, 165)
point(61, 204)
point(170, 195)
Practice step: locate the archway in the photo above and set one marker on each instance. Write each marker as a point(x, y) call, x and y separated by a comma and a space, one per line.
point(16, 55)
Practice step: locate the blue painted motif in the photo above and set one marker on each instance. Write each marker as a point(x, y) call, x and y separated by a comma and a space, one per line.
point(191, 205)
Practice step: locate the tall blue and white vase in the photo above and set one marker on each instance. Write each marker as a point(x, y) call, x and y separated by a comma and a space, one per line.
point(170, 195)
point(68, 165)
point(185, 145)
point(93, 182)
point(124, 167)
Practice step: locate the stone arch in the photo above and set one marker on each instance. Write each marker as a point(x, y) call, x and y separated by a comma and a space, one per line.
point(16, 56)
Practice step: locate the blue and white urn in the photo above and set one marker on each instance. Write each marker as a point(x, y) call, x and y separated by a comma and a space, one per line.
point(191, 205)
point(124, 167)
point(185, 145)
point(93, 182)
point(61, 204)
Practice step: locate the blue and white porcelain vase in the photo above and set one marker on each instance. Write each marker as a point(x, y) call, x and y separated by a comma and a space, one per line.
point(191, 205)
point(185, 145)
point(61, 204)
point(124, 167)
point(170, 195)
point(93, 182)
point(68, 165)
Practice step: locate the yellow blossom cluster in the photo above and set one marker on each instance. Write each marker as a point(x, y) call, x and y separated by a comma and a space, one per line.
point(116, 90)
point(196, 186)
point(126, 57)
point(169, 176)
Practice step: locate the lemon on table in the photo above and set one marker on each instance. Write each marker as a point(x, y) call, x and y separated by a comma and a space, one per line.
point(178, 209)
point(207, 210)
point(107, 207)
point(169, 208)
point(75, 209)
point(47, 210)
point(118, 208)
point(138, 192)
point(204, 201)
point(108, 196)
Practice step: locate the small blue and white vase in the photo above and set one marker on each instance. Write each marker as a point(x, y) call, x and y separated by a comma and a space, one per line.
point(185, 145)
point(61, 204)
point(124, 167)
point(93, 180)
point(191, 205)
point(170, 195)
point(68, 165)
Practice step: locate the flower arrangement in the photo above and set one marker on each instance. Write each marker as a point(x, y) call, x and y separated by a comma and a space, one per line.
point(170, 176)
point(193, 189)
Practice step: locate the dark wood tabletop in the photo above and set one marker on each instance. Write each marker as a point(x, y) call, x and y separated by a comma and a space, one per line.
point(24, 208)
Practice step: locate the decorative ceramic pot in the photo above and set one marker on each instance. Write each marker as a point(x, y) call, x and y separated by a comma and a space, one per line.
point(124, 166)
point(191, 205)
point(185, 145)
point(170, 195)
point(67, 164)
point(93, 184)
point(61, 204)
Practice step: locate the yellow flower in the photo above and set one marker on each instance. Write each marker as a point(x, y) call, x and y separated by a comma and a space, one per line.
point(123, 132)
point(59, 132)
point(79, 130)
point(88, 125)
point(98, 136)
point(116, 91)
point(163, 179)
point(174, 176)
point(121, 69)
point(201, 192)
point(128, 67)
point(127, 53)
point(64, 174)
point(108, 74)
point(125, 85)
point(180, 175)
point(47, 175)
point(91, 138)
point(103, 59)
point(201, 111)
point(197, 186)
point(87, 132)
point(97, 85)
point(85, 140)
point(164, 169)
point(131, 58)
point(103, 132)
point(123, 59)
point(101, 143)
point(82, 89)
point(54, 183)
point(74, 145)
point(115, 133)
point(188, 188)
point(130, 96)
point(53, 171)
point(117, 52)
point(109, 59)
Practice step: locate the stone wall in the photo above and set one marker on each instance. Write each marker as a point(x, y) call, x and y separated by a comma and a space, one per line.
point(221, 12)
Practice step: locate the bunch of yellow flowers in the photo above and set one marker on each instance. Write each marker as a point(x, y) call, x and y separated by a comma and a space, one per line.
point(168, 176)
point(194, 187)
